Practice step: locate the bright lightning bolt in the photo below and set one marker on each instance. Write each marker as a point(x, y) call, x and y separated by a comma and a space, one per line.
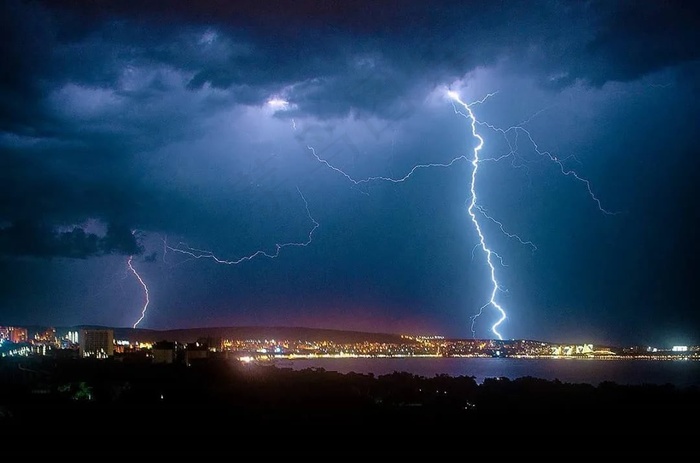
point(473, 201)
point(495, 287)
point(473, 206)
point(204, 254)
point(145, 289)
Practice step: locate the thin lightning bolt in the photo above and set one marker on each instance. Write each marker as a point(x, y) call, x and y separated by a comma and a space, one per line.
point(508, 234)
point(165, 247)
point(145, 289)
point(204, 254)
point(517, 129)
point(380, 178)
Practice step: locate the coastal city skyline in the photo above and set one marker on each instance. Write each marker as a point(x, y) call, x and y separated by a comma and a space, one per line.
point(35, 339)
point(474, 170)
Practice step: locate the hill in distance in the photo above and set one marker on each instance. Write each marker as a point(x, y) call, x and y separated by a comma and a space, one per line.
point(186, 335)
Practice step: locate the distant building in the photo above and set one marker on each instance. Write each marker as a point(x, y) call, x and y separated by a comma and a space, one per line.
point(164, 352)
point(48, 336)
point(195, 351)
point(17, 335)
point(214, 344)
point(98, 343)
point(72, 336)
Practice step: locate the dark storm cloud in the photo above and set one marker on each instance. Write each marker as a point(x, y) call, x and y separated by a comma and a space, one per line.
point(26, 48)
point(25, 238)
point(636, 38)
point(343, 56)
point(331, 55)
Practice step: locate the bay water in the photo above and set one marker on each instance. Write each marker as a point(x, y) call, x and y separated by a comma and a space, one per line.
point(680, 373)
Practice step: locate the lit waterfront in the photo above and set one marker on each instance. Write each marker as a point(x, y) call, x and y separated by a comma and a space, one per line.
point(420, 355)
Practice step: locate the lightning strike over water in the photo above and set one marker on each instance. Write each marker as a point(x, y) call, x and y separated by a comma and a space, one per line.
point(204, 254)
point(473, 206)
point(145, 289)
point(472, 203)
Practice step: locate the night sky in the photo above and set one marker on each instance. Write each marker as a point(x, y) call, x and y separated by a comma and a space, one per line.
point(146, 129)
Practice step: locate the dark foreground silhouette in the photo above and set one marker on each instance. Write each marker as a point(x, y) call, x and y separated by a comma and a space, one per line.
point(224, 408)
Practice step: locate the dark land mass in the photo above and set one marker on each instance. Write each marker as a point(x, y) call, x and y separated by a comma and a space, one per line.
point(105, 410)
